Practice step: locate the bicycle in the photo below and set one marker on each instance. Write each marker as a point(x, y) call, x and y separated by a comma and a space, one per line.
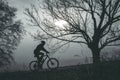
point(52, 63)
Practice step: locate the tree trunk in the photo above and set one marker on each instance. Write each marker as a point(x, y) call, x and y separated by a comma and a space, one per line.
point(94, 46)
point(96, 55)
point(95, 52)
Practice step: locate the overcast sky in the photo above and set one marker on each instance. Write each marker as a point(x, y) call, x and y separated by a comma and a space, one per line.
point(24, 53)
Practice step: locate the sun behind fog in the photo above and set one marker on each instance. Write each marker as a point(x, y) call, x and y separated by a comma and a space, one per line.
point(61, 23)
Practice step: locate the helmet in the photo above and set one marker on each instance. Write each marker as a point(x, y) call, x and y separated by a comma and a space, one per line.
point(43, 42)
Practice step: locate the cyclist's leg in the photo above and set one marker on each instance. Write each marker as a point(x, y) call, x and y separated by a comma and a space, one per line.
point(38, 58)
point(39, 62)
point(41, 55)
point(36, 54)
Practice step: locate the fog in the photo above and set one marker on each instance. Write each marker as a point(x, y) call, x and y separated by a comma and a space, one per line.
point(73, 55)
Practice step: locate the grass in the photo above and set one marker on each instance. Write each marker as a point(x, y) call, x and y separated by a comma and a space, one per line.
point(102, 71)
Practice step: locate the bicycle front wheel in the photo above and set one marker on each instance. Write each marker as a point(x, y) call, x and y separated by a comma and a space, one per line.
point(52, 63)
point(33, 65)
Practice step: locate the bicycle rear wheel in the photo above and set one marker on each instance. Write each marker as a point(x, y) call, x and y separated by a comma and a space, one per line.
point(33, 65)
point(52, 63)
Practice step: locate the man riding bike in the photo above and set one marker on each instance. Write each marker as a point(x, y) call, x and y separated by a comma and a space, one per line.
point(37, 52)
point(51, 63)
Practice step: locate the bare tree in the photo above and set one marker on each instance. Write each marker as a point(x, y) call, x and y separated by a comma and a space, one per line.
point(94, 23)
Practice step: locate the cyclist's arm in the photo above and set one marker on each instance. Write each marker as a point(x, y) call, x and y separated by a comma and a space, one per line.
point(45, 50)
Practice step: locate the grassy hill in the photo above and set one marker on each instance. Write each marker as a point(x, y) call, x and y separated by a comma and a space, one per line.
point(103, 71)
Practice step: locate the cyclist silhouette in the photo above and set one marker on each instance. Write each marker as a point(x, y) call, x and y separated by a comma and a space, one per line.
point(37, 52)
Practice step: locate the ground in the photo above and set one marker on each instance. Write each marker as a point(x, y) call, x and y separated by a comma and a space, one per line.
point(102, 71)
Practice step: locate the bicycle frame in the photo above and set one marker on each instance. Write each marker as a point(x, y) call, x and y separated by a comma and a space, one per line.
point(44, 58)
point(51, 63)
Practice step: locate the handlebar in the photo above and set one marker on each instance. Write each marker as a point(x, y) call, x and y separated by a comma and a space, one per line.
point(46, 55)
